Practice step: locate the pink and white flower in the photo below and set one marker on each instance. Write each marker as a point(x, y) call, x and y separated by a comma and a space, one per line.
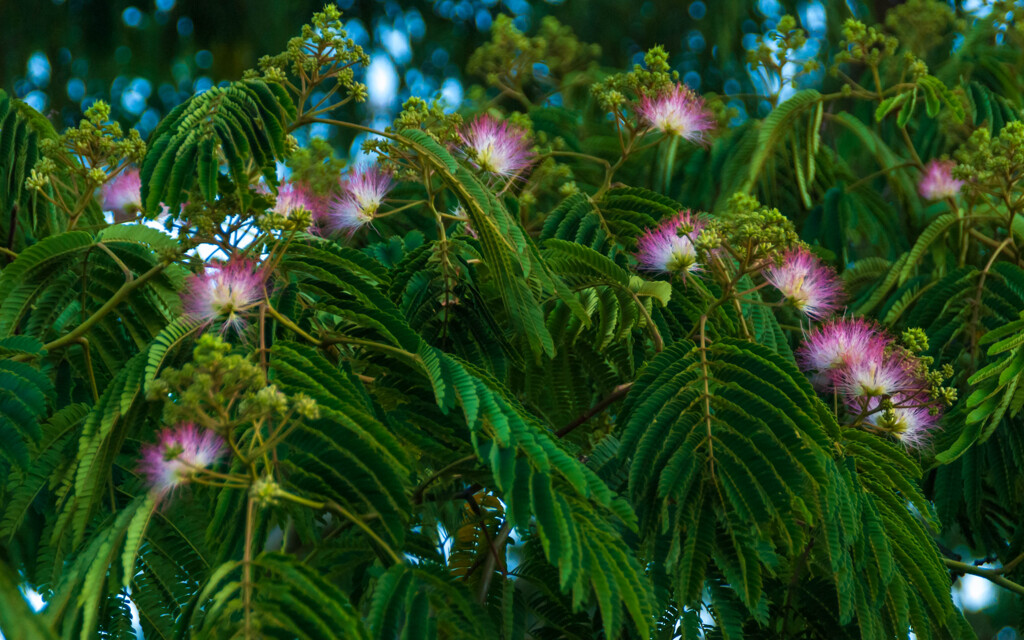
point(295, 195)
point(224, 291)
point(806, 283)
point(497, 147)
point(360, 198)
point(938, 182)
point(179, 454)
point(123, 195)
point(879, 373)
point(910, 421)
point(670, 247)
point(837, 345)
point(678, 112)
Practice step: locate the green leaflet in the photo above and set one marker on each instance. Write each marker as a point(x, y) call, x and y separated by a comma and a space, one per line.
point(244, 119)
point(775, 128)
point(21, 130)
point(413, 602)
point(34, 264)
point(25, 396)
point(346, 454)
point(302, 602)
point(743, 459)
point(507, 250)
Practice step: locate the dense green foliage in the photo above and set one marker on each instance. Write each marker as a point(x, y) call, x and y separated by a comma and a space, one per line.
point(476, 410)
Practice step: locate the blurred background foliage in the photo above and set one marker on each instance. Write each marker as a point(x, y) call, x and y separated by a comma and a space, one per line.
point(144, 58)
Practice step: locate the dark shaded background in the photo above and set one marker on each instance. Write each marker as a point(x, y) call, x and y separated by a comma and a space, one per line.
point(102, 46)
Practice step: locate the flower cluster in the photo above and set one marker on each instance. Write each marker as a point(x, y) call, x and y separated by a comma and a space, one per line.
point(883, 386)
point(357, 203)
point(806, 283)
point(178, 455)
point(671, 246)
point(938, 182)
point(224, 291)
point(497, 147)
point(678, 112)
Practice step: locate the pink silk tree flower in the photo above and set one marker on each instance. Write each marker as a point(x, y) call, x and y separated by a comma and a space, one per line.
point(294, 195)
point(669, 247)
point(497, 147)
point(938, 182)
point(123, 195)
point(178, 454)
point(837, 345)
point(910, 421)
point(360, 198)
point(223, 291)
point(678, 112)
point(806, 283)
point(877, 374)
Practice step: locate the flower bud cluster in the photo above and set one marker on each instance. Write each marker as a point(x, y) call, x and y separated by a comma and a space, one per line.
point(992, 165)
point(323, 51)
point(531, 66)
point(218, 397)
point(865, 45)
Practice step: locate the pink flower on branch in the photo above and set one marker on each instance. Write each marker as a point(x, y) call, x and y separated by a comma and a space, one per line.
point(938, 182)
point(497, 147)
point(837, 346)
point(123, 195)
point(806, 283)
point(670, 247)
point(678, 112)
point(360, 198)
point(223, 292)
point(177, 455)
point(295, 195)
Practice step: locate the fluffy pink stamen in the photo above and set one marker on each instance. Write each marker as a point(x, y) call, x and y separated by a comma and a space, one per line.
point(223, 292)
point(360, 198)
point(177, 454)
point(938, 182)
point(678, 112)
point(497, 147)
point(670, 247)
point(806, 283)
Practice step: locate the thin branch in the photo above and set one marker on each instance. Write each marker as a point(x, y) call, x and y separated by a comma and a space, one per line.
point(618, 393)
point(331, 505)
point(992, 575)
point(417, 495)
point(485, 581)
point(117, 299)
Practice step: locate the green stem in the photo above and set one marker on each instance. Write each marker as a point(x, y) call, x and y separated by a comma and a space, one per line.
point(992, 575)
point(247, 568)
point(880, 172)
point(328, 341)
point(369, 344)
point(286, 321)
point(659, 343)
point(670, 161)
point(331, 505)
point(88, 365)
point(117, 299)
point(417, 495)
